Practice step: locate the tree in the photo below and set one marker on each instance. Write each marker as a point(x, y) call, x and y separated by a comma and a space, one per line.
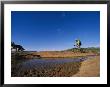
point(16, 47)
point(78, 43)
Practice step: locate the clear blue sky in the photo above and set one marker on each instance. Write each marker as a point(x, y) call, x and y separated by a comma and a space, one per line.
point(44, 30)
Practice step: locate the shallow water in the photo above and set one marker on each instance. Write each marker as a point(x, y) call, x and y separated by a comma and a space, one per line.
point(49, 63)
point(48, 66)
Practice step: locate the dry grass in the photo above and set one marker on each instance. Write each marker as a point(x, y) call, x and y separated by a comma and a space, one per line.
point(52, 54)
point(57, 54)
point(57, 70)
point(88, 68)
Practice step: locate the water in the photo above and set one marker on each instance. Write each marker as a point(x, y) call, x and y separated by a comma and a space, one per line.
point(49, 63)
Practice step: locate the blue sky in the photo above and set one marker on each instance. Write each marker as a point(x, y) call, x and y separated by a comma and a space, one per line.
point(55, 30)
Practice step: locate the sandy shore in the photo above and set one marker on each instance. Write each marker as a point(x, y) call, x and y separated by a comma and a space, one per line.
point(89, 68)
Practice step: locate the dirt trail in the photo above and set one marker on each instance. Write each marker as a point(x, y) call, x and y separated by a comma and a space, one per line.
point(89, 68)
